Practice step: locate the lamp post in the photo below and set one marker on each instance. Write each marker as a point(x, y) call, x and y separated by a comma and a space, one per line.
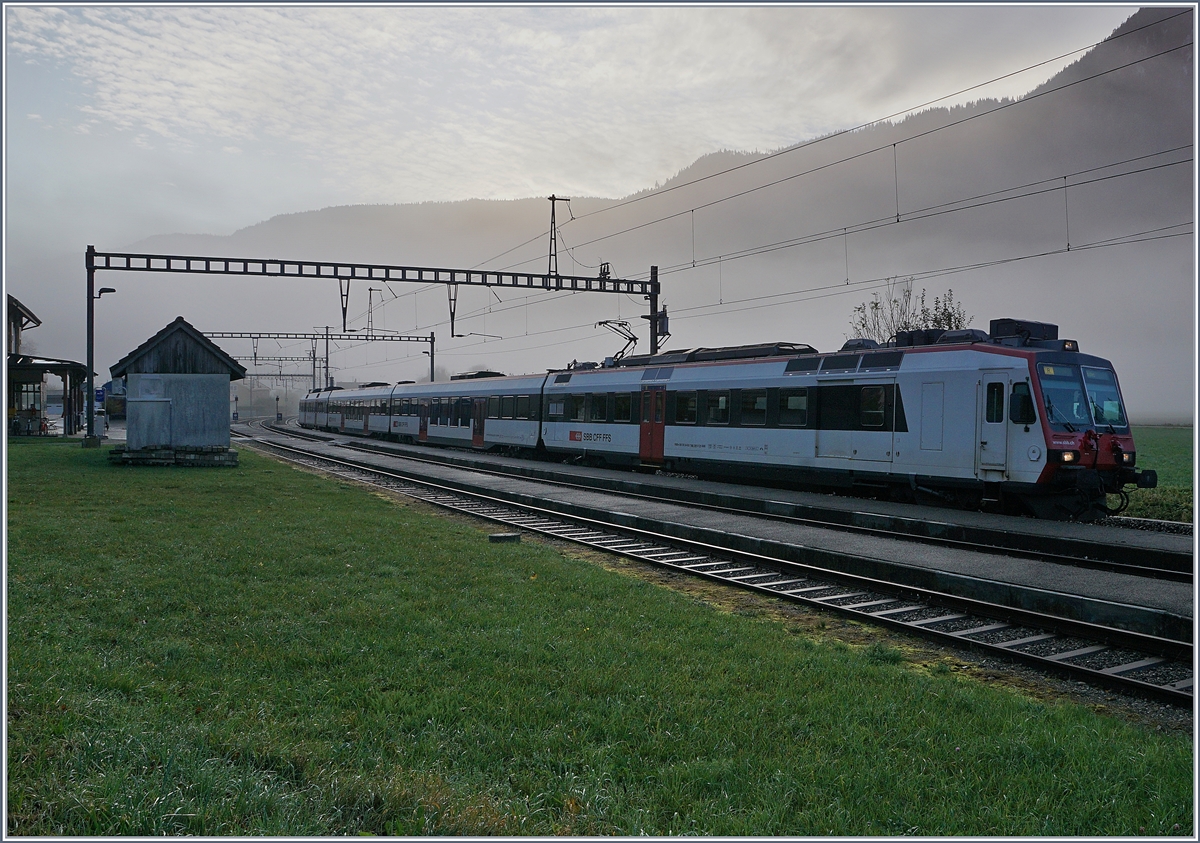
point(91, 440)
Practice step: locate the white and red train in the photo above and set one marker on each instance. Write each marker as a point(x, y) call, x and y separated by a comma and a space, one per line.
point(1017, 418)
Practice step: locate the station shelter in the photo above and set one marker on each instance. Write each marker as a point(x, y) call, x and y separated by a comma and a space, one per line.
point(27, 373)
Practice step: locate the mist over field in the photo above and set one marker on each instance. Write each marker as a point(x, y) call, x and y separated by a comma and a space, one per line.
point(1072, 204)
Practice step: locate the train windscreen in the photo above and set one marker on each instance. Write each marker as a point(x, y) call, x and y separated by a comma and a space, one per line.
point(1104, 397)
point(1063, 396)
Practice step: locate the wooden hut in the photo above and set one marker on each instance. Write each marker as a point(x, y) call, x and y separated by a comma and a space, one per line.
point(177, 399)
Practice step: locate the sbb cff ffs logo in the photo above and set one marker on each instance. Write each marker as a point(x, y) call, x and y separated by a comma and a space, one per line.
point(576, 435)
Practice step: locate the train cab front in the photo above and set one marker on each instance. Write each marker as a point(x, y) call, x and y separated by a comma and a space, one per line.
point(1090, 452)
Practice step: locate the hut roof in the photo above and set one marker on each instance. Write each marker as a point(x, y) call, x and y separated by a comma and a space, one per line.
point(178, 349)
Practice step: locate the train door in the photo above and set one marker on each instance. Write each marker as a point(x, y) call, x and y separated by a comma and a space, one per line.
point(993, 432)
point(478, 417)
point(423, 421)
point(875, 435)
point(654, 413)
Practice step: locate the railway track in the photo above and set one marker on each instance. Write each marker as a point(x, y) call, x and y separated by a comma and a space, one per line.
point(1094, 555)
point(1132, 662)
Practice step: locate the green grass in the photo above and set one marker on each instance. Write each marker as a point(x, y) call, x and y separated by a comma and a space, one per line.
point(261, 651)
point(1167, 450)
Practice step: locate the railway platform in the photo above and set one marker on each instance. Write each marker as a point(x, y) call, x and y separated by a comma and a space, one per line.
point(1154, 606)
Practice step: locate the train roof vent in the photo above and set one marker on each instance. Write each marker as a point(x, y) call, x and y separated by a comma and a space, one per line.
point(1023, 329)
point(749, 352)
point(657, 359)
point(859, 344)
point(402, 383)
point(920, 336)
point(373, 384)
point(482, 373)
point(730, 352)
point(965, 335)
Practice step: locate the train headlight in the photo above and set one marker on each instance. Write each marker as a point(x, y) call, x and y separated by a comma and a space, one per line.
point(1128, 457)
point(1067, 457)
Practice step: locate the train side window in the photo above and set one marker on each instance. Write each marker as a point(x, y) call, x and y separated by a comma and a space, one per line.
point(556, 406)
point(793, 407)
point(622, 407)
point(522, 406)
point(685, 408)
point(599, 407)
point(465, 409)
point(447, 403)
point(754, 407)
point(1020, 405)
point(576, 407)
point(718, 407)
point(494, 407)
point(871, 406)
point(508, 406)
point(994, 403)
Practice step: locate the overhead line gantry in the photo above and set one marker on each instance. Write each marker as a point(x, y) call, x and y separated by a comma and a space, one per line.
point(350, 336)
point(346, 271)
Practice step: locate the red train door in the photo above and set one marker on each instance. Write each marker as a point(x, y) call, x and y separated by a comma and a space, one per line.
point(654, 411)
point(478, 414)
point(423, 421)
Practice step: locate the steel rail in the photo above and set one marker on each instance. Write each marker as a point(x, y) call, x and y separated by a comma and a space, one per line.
point(1133, 662)
point(1161, 564)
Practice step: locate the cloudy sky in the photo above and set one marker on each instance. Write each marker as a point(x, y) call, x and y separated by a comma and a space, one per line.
point(127, 121)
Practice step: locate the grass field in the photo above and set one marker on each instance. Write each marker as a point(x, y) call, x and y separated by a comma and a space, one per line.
point(1167, 450)
point(261, 651)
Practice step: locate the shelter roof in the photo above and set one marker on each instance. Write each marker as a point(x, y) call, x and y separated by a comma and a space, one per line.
point(178, 349)
point(28, 319)
point(53, 365)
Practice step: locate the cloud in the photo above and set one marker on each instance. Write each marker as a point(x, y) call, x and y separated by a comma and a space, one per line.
point(409, 104)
